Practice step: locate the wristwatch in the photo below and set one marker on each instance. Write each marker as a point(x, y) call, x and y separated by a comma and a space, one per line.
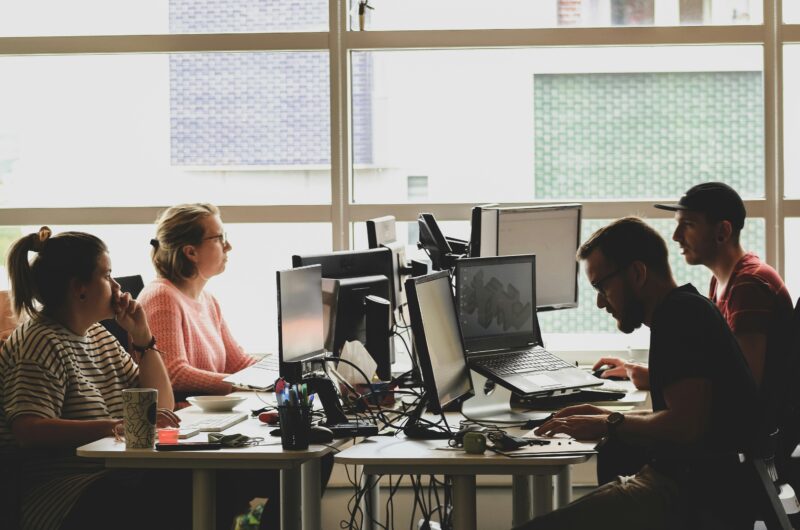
point(613, 421)
point(142, 349)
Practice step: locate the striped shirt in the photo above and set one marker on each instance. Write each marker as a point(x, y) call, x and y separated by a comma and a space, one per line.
point(49, 372)
point(198, 348)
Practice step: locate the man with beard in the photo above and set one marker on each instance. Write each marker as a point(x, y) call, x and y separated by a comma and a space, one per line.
point(704, 398)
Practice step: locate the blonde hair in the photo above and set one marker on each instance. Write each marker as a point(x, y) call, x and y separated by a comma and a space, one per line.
point(177, 227)
point(59, 260)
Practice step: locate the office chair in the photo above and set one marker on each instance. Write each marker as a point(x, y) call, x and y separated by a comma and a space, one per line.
point(128, 284)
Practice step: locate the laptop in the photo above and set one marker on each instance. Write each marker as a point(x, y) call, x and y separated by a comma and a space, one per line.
point(496, 306)
point(258, 376)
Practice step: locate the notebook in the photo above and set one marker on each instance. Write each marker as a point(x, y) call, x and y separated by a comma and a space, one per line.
point(496, 305)
point(258, 376)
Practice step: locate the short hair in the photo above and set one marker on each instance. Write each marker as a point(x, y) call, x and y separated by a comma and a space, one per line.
point(177, 227)
point(42, 286)
point(627, 240)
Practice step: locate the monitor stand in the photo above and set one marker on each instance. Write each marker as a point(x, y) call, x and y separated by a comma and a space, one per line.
point(494, 406)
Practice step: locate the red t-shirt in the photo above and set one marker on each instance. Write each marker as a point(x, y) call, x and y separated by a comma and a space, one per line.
point(755, 297)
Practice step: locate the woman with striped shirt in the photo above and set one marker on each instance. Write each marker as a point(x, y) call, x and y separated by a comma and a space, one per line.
point(61, 381)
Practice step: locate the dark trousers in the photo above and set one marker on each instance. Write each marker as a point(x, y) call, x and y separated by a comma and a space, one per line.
point(615, 459)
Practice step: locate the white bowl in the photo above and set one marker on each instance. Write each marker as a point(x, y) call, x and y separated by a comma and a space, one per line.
point(215, 403)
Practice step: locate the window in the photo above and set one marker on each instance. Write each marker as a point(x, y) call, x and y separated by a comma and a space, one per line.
point(476, 14)
point(142, 130)
point(560, 123)
point(143, 17)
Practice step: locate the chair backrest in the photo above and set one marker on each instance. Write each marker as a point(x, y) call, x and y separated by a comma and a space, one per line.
point(128, 284)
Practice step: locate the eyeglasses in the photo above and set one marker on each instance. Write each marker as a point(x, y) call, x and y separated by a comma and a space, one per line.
point(598, 285)
point(223, 238)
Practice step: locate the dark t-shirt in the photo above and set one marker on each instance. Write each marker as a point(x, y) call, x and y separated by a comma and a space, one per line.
point(689, 338)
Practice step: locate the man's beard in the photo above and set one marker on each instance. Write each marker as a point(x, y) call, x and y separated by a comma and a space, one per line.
point(633, 315)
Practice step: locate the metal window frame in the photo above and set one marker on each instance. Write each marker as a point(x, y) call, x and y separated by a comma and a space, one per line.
point(772, 35)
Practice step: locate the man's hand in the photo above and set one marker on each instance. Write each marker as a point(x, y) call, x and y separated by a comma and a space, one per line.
point(639, 374)
point(617, 367)
point(579, 427)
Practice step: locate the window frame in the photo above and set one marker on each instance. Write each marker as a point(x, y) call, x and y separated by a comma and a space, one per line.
point(338, 41)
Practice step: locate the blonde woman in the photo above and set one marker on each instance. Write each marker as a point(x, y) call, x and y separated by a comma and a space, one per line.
point(190, 248)
point(61, 380)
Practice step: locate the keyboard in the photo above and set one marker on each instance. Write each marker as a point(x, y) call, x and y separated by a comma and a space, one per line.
point(535, 360)
point(214, 422)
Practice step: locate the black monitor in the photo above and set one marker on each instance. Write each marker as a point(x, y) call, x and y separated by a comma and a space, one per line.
point(300, 321)
point(551, 232)
point(348, 278)
point(440, 352)
point(443, 251)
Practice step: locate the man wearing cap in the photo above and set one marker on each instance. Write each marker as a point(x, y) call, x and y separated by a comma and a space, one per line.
point(748, 292)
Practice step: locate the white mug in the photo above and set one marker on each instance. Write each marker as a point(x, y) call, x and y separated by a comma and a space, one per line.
point(140, 406)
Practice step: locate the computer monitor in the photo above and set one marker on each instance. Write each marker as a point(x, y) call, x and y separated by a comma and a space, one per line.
point(300, 321)
point(551, 232)
point(437, 339)
point(348, 278)
point(382, 232)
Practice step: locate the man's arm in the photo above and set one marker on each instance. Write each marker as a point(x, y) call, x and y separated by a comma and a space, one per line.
point(685, 420)
point(754, 348)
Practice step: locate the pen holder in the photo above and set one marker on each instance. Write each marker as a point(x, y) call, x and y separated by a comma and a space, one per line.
point(295, 422)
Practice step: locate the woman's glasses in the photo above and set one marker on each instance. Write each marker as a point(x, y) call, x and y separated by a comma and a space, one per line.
point(223, 238)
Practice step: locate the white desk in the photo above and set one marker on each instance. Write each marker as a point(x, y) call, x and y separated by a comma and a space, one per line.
point(300, 471)
point(399, 456)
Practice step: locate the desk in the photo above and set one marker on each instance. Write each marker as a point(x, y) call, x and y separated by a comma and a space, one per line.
point(400, 456)
point(300, 471)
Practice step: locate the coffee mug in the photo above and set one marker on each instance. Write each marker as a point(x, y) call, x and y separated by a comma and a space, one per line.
point(140, 406)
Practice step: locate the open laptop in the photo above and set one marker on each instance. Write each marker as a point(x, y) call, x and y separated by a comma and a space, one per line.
point(496, 305)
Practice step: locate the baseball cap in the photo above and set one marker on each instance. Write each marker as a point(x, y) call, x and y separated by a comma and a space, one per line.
point(717, 200)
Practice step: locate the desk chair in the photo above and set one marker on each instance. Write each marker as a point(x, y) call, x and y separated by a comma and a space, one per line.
point(767, 488)
point(128, 284)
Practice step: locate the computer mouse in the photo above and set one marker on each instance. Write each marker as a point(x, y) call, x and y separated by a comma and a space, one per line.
point(602, 368)
point(320, 435)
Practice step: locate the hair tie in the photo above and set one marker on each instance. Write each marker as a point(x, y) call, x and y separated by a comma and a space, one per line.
point(154, 243)
point(39, 238)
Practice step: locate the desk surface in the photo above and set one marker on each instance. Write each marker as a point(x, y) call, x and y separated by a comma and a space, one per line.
point(269, 455)
point(393, 451)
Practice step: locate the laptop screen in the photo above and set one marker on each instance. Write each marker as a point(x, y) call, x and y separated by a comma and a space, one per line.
point(496, 302)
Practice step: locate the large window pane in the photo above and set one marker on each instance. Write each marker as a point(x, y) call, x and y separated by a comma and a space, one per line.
point(477, 14)
point(791, 11)
point(791, 124)
point(558, 123)
point(246, 290)
point(99, 17)
point(792, 260)
point(114, 130)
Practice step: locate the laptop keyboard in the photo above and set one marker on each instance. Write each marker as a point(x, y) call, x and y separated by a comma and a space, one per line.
point(535, 360)
point(214, 422)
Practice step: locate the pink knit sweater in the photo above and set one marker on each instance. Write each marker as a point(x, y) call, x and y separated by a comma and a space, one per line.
point(199, 350)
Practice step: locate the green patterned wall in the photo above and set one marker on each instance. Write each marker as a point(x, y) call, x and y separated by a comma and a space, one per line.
point(642, 135)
